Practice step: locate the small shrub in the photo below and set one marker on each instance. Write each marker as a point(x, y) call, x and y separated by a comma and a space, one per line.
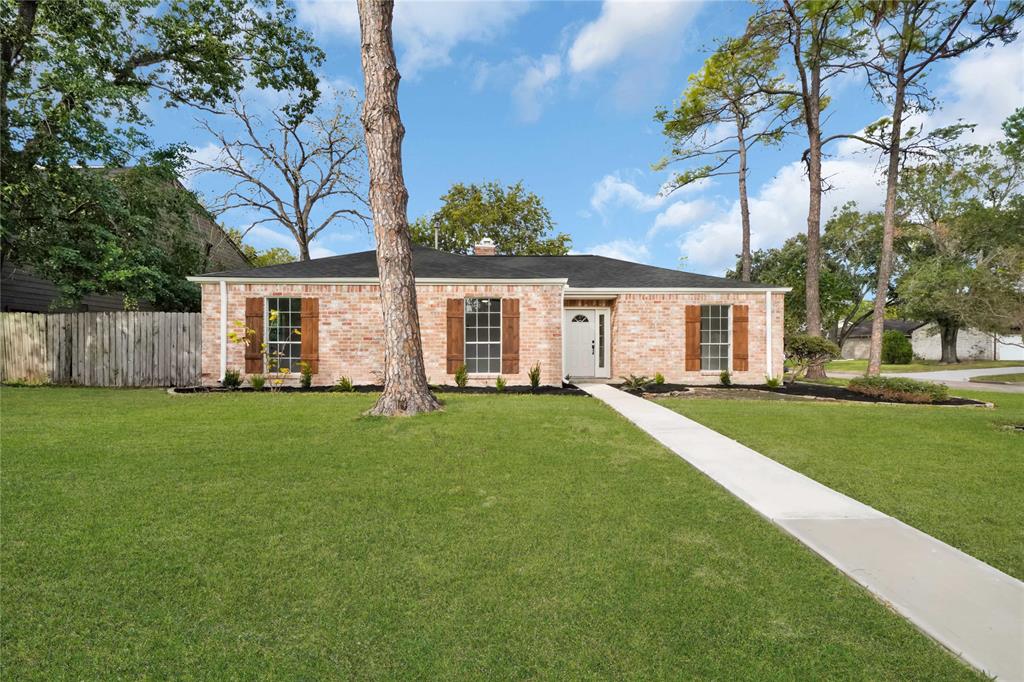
point(896, 348)
point(725, 378)
point(232, 378)
point(305, 374)
point(257, 381)
point(461, 376)
point(635, 383)
point(535, 376)
point(659, 378)
point(899, 389)
point(772, 382)
point(804, 351)
point(344, 385)
point(499, 384)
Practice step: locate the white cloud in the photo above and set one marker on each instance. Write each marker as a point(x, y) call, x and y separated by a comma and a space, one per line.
point(425, 31)
point(623, 249)
point(630, 27)
point(208, 153)
point(680, 214)
point(317, 251)
point(984, 87)
point(535, 85)
point(612, 190)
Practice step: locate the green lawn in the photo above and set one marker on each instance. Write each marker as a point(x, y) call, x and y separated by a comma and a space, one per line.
point(861, 366)
point(284, 536)
point(955, 473)
point(1017, 378)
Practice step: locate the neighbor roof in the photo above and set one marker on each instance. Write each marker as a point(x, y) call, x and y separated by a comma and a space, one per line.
point(863, 329)
point(585, 272)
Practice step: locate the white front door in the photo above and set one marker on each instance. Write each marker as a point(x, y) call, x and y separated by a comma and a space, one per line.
point(580, 343)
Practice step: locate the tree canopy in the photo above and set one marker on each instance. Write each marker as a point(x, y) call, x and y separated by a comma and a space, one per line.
point(512, 216)
point(76, 79)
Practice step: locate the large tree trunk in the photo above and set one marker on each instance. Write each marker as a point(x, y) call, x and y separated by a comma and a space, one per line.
point(889, 230)
point(813, 278)
point(948, 332)
point(405, 381)
point(744, 207)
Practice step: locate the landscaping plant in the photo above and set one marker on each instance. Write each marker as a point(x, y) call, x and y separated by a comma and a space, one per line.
point(499, 384)
point(461, 376)
point(257, 381)
point(344, 385)
point(232, 378)
point(535, 376)
point(659, 378)
point(896, 348)
point(804, 352)
point(634, 382)
point(772, 382)
point(899, 389)
point(306, 374)
point(725, 378)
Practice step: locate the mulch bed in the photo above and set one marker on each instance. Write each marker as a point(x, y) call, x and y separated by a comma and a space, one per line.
point(798, 390)
point(564, 389)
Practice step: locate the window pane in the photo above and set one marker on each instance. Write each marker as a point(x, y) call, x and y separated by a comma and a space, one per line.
point(483, 335)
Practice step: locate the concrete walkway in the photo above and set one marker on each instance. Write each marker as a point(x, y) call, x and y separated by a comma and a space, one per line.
point(955, 378)
point(968, 606)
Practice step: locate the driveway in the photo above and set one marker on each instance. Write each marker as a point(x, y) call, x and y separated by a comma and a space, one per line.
point(955, 378)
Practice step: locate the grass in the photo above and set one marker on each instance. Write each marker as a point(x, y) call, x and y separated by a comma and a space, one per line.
point(952, 472)
point(1016, 378)
point(861, 366)
point(285, 536)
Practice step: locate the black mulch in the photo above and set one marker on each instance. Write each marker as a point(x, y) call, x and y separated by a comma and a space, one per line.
point(564, 389)
point(800, 389)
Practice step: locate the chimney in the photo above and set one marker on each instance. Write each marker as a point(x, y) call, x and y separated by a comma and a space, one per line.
point(485, 247)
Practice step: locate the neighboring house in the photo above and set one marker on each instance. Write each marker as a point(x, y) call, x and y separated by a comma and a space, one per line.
point(971, 344)
point(857, 344)
point(21, 290)
point(575, 316)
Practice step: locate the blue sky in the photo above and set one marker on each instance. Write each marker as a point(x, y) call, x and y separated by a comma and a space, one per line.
point(561, 96)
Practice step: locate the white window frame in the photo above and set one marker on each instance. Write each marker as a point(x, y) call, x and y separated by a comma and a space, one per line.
point(266, 330)
point(465, 336)
point(727, 344)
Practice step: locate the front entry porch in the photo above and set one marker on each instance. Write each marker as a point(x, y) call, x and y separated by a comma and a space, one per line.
point(586, 342)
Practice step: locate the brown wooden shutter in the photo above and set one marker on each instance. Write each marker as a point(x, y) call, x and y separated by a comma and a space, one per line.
point(510, 336)
point(253, 341)
point(740, 343)
point(309, 349)
point(456, 334)
point(692, 362)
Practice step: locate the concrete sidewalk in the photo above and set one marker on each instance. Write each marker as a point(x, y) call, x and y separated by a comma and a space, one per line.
point(968, 606)
point(954, 378)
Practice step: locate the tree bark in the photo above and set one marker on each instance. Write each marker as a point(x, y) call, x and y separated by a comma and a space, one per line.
point(888, 228)
point(405, 382)
point(744, 207)
point(948, 332)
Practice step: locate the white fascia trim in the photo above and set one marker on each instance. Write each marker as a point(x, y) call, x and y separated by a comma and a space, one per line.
point(596, 291)
point(374, 280)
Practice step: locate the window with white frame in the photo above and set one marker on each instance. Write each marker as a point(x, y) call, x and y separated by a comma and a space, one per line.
point(483, 335)
point(714, 337)
point(284, 333)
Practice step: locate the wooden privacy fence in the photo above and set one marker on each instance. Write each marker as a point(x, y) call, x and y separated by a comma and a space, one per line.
point(101, 349)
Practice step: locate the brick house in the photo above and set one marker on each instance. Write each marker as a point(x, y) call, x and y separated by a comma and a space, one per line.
point(578, 317)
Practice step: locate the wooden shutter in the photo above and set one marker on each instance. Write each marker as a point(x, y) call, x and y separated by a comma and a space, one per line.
point(456, 334)
point(253, 341)
point(692, 340)
point(309, 350)
point(510, 336)
point(740, 343)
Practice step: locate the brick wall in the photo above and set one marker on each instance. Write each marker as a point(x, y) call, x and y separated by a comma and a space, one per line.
point(648, 335)
point(351, 326)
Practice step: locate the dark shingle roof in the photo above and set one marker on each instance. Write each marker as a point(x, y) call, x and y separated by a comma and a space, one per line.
point(863, 329)
point(581, 271)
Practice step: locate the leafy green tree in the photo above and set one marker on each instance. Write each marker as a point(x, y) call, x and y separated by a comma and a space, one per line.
point(272, 256)
point(75, 81)
point(910, 39)
point(965, 212)
point(513, 217)
point(722, 114)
